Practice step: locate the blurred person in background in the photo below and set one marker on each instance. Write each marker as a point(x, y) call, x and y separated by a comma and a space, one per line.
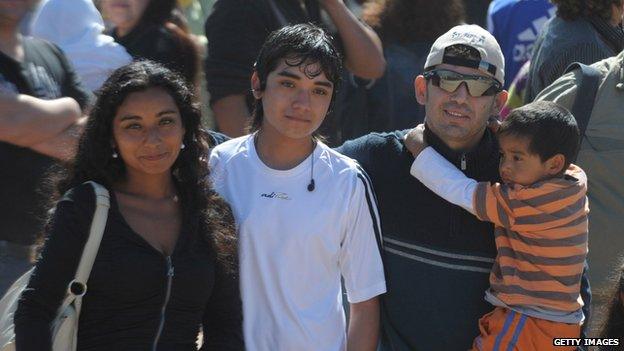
point(407, 29)
point(196, 12)
point(42, 102)
point(601, 155)
point(584, 31)
point(237, 29)
point(149, 29)
point(76, 26)
point(476, 11)
point(516, 24)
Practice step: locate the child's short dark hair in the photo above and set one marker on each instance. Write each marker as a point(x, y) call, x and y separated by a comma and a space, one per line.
point(550, 128)
point(301, 44)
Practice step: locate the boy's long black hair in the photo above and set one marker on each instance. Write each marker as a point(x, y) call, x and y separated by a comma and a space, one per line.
point(299, 45)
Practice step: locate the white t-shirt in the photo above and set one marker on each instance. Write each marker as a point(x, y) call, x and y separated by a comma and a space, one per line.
point(295, 244)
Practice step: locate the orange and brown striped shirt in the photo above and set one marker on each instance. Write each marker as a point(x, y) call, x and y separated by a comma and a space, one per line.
point(541, 236)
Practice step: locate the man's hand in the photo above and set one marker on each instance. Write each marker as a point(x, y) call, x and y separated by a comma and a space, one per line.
point(415, 140)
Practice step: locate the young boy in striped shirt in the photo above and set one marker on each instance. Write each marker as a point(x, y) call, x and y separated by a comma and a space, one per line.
point(540, 216)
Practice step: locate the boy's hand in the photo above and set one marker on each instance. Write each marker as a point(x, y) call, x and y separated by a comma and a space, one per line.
point(415, 140)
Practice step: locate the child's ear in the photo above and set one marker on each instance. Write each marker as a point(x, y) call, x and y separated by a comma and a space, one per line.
point(555, 164)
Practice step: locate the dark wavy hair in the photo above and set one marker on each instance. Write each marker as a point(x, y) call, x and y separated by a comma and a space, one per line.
point(571, 10)
point(299, 45)
point(612, 325)
point(202, 208)
point(413, 20)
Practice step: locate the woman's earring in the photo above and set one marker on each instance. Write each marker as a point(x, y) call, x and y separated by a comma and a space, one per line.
point(115, 154)
point(182, 146)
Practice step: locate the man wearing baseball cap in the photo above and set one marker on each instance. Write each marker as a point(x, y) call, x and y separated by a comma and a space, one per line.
point(438, 256)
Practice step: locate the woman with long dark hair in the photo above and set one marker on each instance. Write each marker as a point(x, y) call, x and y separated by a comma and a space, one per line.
point(148, 30)
point(167, 263)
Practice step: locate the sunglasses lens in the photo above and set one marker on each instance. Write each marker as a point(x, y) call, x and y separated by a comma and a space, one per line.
point(450, 81)
point(477, 87)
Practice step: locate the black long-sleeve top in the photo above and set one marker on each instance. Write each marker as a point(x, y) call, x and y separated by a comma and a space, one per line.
point(127, 288)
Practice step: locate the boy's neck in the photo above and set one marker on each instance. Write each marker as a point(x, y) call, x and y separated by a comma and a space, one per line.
point(282, 153)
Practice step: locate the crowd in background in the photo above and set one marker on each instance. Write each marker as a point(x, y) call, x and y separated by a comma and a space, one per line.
point(214, 44)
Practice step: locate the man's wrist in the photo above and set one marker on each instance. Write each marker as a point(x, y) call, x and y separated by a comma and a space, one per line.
point(417, 150)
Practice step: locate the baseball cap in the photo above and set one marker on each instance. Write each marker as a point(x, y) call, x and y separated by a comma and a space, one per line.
point(492, 60)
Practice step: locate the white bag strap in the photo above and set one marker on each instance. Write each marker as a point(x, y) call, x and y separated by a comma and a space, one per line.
point(78, 287)
point(98, 224)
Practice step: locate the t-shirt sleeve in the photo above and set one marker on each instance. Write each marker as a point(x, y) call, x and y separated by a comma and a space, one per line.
point(360, 258)
point(235, 34)
point(217, 170)
point(531, 209)
point(66, 235)
point(72, 86)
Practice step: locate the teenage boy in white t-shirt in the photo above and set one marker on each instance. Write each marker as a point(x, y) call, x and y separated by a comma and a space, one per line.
point(306, 214)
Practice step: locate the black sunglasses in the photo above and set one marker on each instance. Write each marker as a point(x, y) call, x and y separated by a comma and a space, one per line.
point(477, 85)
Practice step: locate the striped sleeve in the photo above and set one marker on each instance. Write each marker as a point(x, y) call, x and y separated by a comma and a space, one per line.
point(491, 204)
point(548, 205)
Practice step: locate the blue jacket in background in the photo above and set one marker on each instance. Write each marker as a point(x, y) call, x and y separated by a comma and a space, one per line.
point(516, 25)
